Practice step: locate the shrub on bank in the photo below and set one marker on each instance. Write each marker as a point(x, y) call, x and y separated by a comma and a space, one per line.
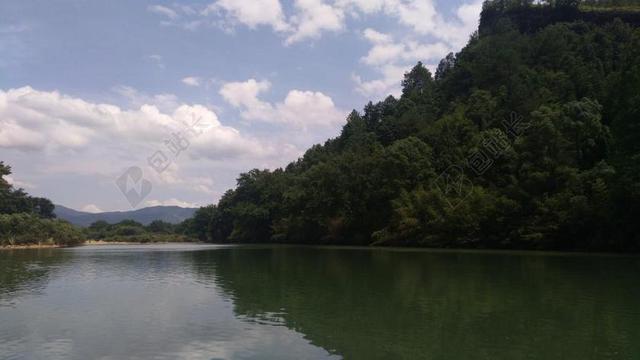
point(28, 229)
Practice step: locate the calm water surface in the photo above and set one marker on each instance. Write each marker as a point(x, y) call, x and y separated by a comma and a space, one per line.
point(274, 302)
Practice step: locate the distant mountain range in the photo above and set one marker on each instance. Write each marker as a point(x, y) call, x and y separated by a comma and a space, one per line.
point(171, 214)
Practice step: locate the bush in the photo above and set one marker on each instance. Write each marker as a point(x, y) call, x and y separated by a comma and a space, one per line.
point(27, 229)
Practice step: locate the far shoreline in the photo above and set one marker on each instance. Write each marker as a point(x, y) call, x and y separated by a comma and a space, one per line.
point(91, 242)
point(102, 242)
point(32, 246)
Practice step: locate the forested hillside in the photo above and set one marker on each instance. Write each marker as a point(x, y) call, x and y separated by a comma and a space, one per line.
point(528, 138)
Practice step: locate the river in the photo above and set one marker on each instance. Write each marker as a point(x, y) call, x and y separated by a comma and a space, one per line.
point(188, 301)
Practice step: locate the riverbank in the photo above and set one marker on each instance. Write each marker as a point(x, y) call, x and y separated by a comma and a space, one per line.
point(102, 242)
point(134, 240)
point(31, 246)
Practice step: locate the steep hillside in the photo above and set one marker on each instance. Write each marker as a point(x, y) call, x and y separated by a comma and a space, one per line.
point(528, 138)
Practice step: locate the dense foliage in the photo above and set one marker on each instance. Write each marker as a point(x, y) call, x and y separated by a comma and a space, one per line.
point(27, 220)
point(133, 231)
point(27, 229)
point(527, 138)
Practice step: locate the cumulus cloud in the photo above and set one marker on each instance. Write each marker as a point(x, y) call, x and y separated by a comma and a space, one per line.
point(66, 137)
point(432, 34)
point(136, 98)
point(300, 109)
point(313, 17)
point(310, 19)
point(32, 120)
point(392, 58)
point(365, 6)
point(387, 84)
point(423, 17)
point(191, 81)
point(91, 208)
point(163, 10)
point(252, 13)
point(18, 183)
point(376, 37)
point(171, 202)
point(386, 50)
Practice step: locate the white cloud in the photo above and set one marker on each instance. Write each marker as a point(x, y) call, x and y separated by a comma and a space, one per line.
point(431, 36)
point(309, 108)
point(252, 13)
point(39, 120)
point(312, 17)
point(423, 17)
point(391, 58)
point(385, 50)
point(163, 10)
point(387, 84)
point(191, 81)
point(136, 99)
point(468, 16)
point(19, 184)
point(245, 94)
point(365, 6)
point(171, 202)
point(300, 109)
point(91, 208)
point(309, 19)
point(69, 140)
point(157, 60)
point(376, 37)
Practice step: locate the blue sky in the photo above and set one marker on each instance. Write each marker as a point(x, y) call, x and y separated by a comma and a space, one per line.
point(89, 89)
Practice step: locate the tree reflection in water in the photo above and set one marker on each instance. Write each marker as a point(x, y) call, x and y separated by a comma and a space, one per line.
point(381, 304)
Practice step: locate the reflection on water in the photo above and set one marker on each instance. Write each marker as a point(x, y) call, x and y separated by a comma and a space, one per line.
point(214, 302)
point(26, 271)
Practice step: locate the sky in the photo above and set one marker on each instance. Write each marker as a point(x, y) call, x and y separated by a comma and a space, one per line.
point(115, 105)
